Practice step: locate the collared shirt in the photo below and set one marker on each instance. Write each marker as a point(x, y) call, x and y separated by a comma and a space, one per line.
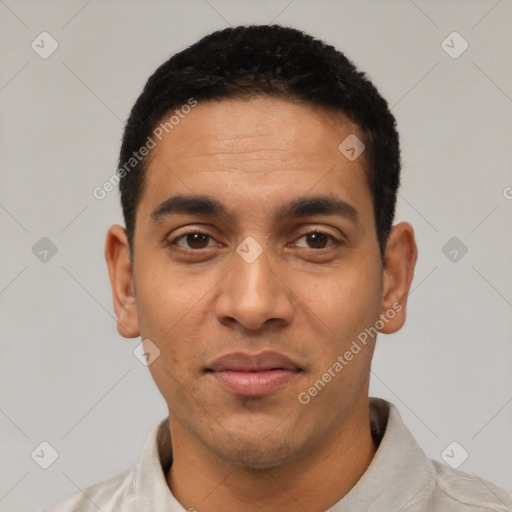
point(400, 478)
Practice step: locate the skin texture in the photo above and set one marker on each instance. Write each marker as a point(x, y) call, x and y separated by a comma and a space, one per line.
point(307, 301)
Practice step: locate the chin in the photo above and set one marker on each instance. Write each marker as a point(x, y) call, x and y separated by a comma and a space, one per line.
point(256, 450)
point(259, 456)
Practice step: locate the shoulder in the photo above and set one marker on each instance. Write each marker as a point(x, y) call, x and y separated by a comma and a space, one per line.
point(462, 491)
point(113, 494)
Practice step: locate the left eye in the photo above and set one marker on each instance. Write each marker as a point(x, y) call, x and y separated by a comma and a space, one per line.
point(317, 239)
point(195, 240)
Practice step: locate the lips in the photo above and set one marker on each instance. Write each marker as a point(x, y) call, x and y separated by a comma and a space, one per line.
point(253, 375)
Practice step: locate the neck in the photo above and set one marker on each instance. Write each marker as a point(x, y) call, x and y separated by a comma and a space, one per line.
point(314, 482)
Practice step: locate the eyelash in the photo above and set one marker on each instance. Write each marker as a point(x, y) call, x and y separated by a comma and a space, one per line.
point(315, 231)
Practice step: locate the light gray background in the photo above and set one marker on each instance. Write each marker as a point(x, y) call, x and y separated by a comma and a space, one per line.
point(68, 378)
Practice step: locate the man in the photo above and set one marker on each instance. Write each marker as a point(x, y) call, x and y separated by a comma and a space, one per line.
point(258, 178)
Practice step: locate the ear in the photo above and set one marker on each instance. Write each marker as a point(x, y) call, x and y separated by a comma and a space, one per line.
point(117, 254)
point(399, 262)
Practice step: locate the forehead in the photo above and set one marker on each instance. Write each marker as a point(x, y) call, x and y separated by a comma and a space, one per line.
point(263, 123)
point(270, 146)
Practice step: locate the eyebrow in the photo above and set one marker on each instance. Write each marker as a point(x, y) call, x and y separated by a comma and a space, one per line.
point(302, 207)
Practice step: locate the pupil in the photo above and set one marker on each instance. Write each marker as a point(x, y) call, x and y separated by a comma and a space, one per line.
point(317, 239)
point(196, 238)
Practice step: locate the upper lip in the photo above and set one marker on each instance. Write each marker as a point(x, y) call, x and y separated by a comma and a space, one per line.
point(245, 362)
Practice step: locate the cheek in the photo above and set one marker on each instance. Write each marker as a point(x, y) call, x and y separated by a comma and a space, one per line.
point(168, 295)
point(348, 304)
point(170, 307)
point(343, 302)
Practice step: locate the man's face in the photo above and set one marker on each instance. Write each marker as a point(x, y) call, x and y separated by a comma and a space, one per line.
point(316, 284)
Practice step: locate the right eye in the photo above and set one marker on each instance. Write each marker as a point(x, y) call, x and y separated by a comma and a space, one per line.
point(193, 240)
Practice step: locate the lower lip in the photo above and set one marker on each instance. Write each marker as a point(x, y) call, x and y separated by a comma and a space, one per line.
point(253, 384)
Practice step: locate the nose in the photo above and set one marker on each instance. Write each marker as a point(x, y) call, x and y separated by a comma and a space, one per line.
point(254, 294)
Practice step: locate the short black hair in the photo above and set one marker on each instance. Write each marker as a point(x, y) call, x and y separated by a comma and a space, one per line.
point(270, 60)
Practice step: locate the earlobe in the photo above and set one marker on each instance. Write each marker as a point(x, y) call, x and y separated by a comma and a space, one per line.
point(117, 255)
point(399, 262)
